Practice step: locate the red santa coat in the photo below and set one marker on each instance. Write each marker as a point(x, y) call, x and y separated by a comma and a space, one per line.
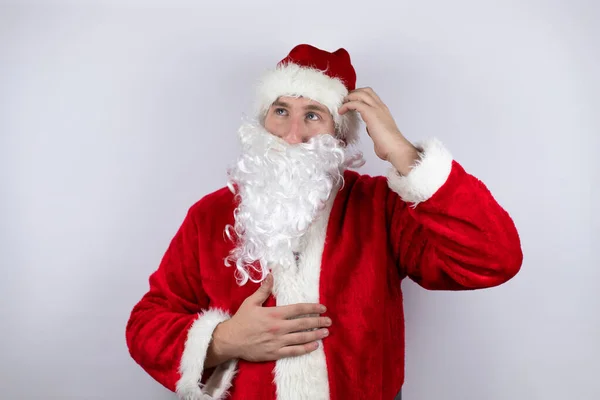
point(439, 225)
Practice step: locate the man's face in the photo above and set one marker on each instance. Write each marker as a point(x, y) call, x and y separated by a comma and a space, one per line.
point(297, 120)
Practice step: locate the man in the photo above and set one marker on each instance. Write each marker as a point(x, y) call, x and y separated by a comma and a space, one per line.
point(286, 284)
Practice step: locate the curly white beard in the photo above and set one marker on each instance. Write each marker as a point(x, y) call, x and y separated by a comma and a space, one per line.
point(281, 188)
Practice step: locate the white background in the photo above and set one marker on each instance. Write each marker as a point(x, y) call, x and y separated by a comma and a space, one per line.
point(116, 116)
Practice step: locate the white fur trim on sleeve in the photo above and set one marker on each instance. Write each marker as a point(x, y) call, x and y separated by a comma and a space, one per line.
point(428, 174)
point(192, 362)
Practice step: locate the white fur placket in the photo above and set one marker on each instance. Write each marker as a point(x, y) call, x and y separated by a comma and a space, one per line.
point(304, 377)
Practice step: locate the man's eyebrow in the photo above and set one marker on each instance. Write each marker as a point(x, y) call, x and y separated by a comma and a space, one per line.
point(314, 107)
point(281, 104)
point(310, 107)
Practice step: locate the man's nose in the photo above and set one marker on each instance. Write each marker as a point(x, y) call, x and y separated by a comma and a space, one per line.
point(294, 134)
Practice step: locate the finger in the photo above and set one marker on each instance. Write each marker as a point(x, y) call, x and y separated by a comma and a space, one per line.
point(374, 95)
point(305, 324)
point(263, 292)
point(299, 350)
point(294, 339)
point(363, 96)
point(296, 310)
point(359, 106)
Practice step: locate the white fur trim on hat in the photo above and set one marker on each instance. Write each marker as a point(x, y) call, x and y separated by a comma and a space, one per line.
point(295, 81)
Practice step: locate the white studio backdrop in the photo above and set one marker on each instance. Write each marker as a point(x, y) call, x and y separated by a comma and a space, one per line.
point(116, 116)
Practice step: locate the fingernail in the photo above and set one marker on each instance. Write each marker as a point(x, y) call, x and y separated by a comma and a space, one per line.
point(326, 332)
point(327, 321)
point(323, 308)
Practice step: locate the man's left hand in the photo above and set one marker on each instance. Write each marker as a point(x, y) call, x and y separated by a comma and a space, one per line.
point(390, 144)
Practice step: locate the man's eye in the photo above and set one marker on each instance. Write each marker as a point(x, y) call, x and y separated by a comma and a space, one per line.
point(280, 111)
point(313, 116)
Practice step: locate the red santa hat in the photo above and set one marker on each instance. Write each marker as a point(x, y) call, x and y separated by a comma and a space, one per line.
point(315, 74)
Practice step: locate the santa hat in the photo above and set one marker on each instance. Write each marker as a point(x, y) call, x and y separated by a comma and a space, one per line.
point(315, 74)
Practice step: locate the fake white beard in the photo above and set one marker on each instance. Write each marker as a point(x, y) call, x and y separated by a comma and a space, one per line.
point(281, 189)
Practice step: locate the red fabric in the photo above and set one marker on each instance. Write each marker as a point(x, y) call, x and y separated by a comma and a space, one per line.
point(460, 239)
point(334, 65)
point(158, 325)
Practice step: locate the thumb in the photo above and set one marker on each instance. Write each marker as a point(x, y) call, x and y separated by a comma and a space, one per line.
point(264, 291)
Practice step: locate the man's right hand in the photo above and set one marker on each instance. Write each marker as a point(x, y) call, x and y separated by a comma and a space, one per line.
point(256, 333)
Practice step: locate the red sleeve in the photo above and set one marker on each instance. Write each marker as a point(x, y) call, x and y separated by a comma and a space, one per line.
point(447, 230)
point(170, 328)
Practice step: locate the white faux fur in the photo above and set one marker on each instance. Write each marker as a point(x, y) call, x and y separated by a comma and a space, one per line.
point(192, 362)
point(304, 377)
point(426, 177)
point(294, 80)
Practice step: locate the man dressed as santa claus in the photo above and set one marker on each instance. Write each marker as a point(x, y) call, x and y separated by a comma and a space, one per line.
point(285, 285)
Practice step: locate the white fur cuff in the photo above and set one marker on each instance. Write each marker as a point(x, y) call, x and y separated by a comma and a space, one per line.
point(428, 174)
point(192, 362)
